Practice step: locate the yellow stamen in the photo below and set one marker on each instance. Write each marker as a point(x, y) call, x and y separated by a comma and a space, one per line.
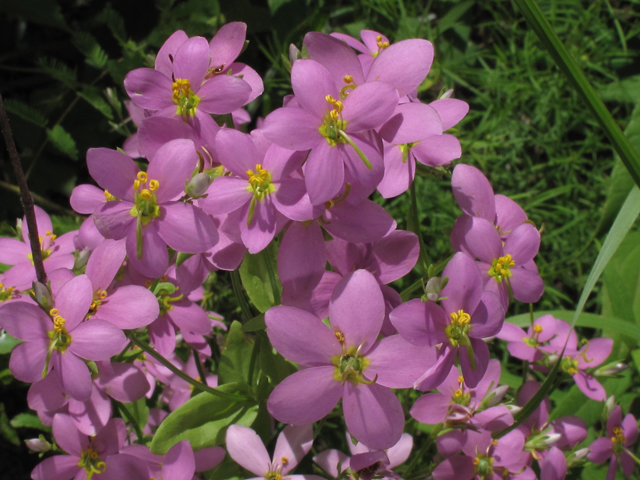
point(334, 115)
point(348, 79)
point(58, 323)
point(460, 317)
point(53, 312)
point(284, 461)
point(136, 184)
point(146, 194)
point(142, 176)
point(458, 393)
point(153, 185)
point(537, 328)
point(340, 336)
point(460, 379)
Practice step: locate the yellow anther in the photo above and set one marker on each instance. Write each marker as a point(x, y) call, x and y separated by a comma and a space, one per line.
point(102, 294)
point(142, 176)
point(53, 237)
point(148, 283)
point(146, 194)
point(460, 317)
point(348, 79)
point(338, 105)
point(180, 86)
point(494, 442)
point(93, 305)
point(334, 115)
point(458, 393)
point(379, 38)
point(572, 371)
point(48, 232)
point(53, 312)
point(476, 460)
point(330, 99)
point(153, 185)
point(537, 328)
point(614, 439)
point(58, 323)
point(340, 336)
point(284, 461)
point(136, 184)
point(460, 379)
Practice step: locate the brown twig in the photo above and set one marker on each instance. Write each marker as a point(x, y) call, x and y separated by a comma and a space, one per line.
point(25, 196)
point(43, 202)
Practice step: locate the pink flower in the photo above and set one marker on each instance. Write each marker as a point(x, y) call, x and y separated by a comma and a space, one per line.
point(622, 433)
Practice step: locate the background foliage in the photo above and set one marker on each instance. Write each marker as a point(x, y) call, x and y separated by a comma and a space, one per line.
point(62, 63)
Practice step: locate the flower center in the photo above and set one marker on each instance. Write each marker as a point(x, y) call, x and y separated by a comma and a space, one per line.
point(459, 327)
point(569, 365)
point(501, 268)
point(6, 293)
point(349, 365)
point(98, 297)
point(260, 182)
point(618, 440)
point(144, 198)
point(164, 300)
point(333, 123)
point(90, 461)
point(381, 46)
point(532, 341)
point(483, 465)
point(186, 101)
point(46, 245)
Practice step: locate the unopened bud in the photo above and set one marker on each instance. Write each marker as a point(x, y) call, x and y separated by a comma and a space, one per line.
point(198, 185)
point(19, 227)
point(81, 260)
point(433, 289)
point(543, 440)
point(42, 296)
point(577, 457)
point(496, 396)
point(610, 370)
point(514, 409)
point(608, 407)
point(294, 53)
point(447, 94)
point(39, 445)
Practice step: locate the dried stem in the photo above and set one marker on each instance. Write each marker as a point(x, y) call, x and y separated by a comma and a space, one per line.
point(25, 196)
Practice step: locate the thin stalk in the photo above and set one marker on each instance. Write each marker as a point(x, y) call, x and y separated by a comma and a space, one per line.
point(25, 196)
point(236, 284)
point(272, 276)
point(127, 414)
point(421, 453)
point(198, 385)
point(199, 367)
point(254, 356)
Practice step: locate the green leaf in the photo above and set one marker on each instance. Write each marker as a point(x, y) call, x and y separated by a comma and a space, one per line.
point(571, 70)
point(26, 112)
point(453, 15)
point(93, 96)
point(6, 430)
point(90, 48)
point(28, 420)
point(590, 320)
point(623, 91)
point(257, 281)
point(59, 71)
point(274, 365)
point(203, 420)
point(255, 324)
point(139, 411)
point(235, 360)
point(63, 142)
point(7, 342)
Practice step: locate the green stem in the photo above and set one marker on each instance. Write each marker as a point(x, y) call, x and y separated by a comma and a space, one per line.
point(198, 385)
point(636, 459)
point(272, 276)
point(199, 367)
point(127, 414)
point(123, 352)
point(254, 356)
point(236, 283)
point(421, 453)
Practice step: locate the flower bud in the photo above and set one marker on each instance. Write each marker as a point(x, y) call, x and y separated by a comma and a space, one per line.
point(198, 185)
point(514, 409)
point(610, 370)
point(294, 53)
point(433, 289)
point(447, 94)
point(494, 397)
point(42, 296)
point(608, 407)
point(577, 457)
point(39, 445)
point(81, 260)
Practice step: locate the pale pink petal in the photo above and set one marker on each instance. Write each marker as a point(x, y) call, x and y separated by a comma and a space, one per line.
point(246, 449)
point(223, 94)
point(388, 353)
point(164, 60)
point(191, 61)
point(186, 228)
point(113, 171)
point(369, 106)
point(59, 467)
point(311, 83)
point(149, 88)
point(91, 416)
point(437, 150)
point(293, 443)
point(73, 300)
point(301, 258)
point(324, 172)
point(104, 263)
point(227, 43)
point(25, 321)
point(410, 123)
point(28, 359)
point(335, 55)
point(129, 307)
point(74, 375)
point(97, 340)
point(450, 110)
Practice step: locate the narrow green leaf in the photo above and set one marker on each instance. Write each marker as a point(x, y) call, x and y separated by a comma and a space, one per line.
point(236, 356)
point(256, 280)
point(6, 430)
point(203, 420)
point(63, 142)
point(59, 71)
point(569, 67)
point(28, 420)
point(90, 48)
point(26, 112)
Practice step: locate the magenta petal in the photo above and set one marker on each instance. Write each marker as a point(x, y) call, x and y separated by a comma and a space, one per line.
point(388, 353)
point(494, 418)
point(292, 201)
point(366, 222)
point(335, 55)
point(483, 240)
point(487, 319)
point(373, 415)
point(223, 94)
point(191, 61)
point(155, 257)
point(123, 466)
point(237, 152)
point(369, 106)
point(149, 88)
point(74, 375)
point(396, 255)
point(90, 417)
point(67, 435)
point(73, 300)
point(25, 321)
point(311, 84)
point(59, 467)
point(403, 64)
point(431, 408)
point(190, 316)
point(410, 123)
point(324, 173)
point(306, 396)
point(172, 165)
point(164, 62)
point(114, 219)
point(450, 110)
point(227, 43)
point(421, 323)
point(28, 359)
point(257, 234)
point(179, 462)
point(363, 180)
point(438, 372)
point(473, 192)
point(301, 337)
point(129, 307)
point(527, 286)
point(630, 429)
point(209, 458)
point(46, 395)
point(122, 381)
point(328, 460)
point(186, 228)
point(246, 449)
point(226, 195)
point(104, 263)
point(14, 251)
point(254, 80)
point(293, 443)
point(437, 150)
point(155, 131)
point(590, 386)
point(523, 244)
point(398, 175)
point(357, 309)
point(480, 351)
point(301, 258)
point(464, 290)
point(97, 340)
point(628, 464)
point(293, 128)
point(600, 450)
point(113, 171)
point(509, 214)
point(455, 468)
point(163, 336)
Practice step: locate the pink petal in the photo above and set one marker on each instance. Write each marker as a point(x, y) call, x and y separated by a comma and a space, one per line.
point(324, 172)
point(104, 263)
point(97, 340)
point(186, 228)
point(171, 166)
point(396, 255)
point(437, 150)
point(301, 258)
point(149, 88)
point(293, 128)
point(373, 415)
point(226, 195)
point(450, 110)
point(25, 321)
point(223, 94)
point(527, 286)
point(311, 83)
point(301, 337)
point(67, 435)
point(410, 123)
point(246, 448)
point(114, 219)
point(306, 396)
point(124, 382)
point(129, 307)
point(28, 359)
point(13, 251)
point(600, 450)
point(398, 175)
point(357, 310)
point(421, 323)
point(155, 257)
point(90, 417)
point(60, 467)
point(365, 223)
point(227, 43)
point(237, 152)
point(74, 375)
point(73, 300)
point(179, 462)
point(455, 468)
point(335, 55)
point(388, 353)
point(473, 192)
point(164, 62)
point(369, 106)
point(259, 233)
point(293, 443)
point(431, 408)
point(113, 171)
point(191, 61)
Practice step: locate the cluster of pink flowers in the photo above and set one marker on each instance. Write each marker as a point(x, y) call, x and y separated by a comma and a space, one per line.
point(200, 196)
